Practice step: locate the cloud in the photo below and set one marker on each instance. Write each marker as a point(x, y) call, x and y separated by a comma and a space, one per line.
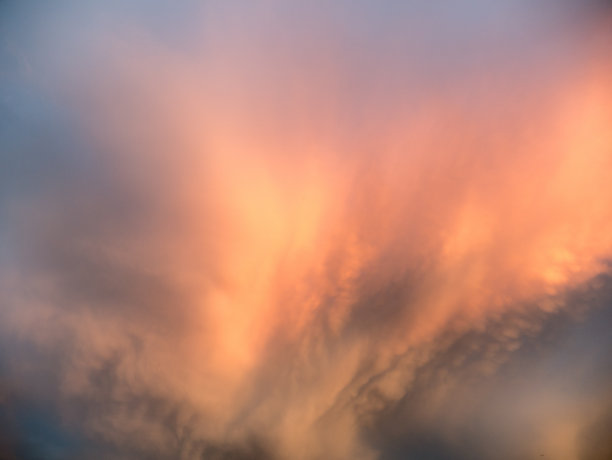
point(304, 231)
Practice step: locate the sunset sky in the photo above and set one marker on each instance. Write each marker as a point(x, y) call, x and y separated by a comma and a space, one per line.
point(306, 230)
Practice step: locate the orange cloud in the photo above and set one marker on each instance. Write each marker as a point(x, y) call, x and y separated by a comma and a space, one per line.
point(303, 245)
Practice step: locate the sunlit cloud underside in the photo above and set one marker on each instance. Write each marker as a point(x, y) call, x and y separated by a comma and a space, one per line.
point(305, 230)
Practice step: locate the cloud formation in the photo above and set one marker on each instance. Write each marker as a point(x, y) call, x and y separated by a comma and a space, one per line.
point(304, 231)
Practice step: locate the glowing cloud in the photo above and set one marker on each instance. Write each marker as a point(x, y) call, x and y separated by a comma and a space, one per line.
point(303, 231)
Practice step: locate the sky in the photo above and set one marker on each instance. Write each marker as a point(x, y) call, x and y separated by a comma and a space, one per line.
point(324, 230)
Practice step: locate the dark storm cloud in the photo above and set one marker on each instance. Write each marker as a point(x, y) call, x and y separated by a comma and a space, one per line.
point(545, 361)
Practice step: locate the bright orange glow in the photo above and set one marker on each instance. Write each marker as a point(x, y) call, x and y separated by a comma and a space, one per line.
point(322, 240)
